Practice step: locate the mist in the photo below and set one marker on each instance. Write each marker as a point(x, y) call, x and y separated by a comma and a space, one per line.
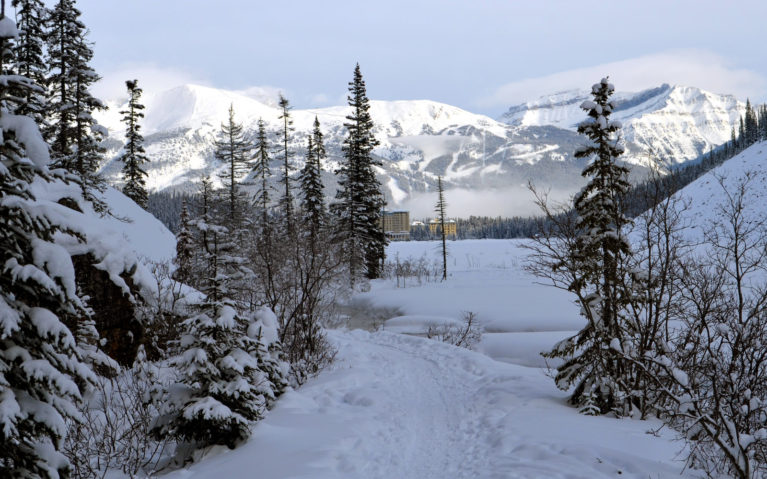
point(462, 203)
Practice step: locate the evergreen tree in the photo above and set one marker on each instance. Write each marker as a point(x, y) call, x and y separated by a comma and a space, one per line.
point(600, 250)
point(261, 173)
point(234, 151)
point(184, 248)
point(313, 197)
point(360, 202)
point(221, 389)
point(133, 155)
point(750, 126)
point(29, 59)
point(73, 132)
point(440, 210)
point(286, 201)
point(40, 371)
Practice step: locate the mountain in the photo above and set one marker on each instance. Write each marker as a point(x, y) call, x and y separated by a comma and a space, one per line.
point(678, 123)
point(422, 139)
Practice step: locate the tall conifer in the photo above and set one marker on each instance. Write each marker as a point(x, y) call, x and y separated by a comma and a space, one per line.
point(359, 198)
point(74, 134)
point(133, 155)
point(286, 201)
point(234, 151)
point(313, 197)
point(40, 371)
point(600, 252)
point(29, 59)
point(440, 209)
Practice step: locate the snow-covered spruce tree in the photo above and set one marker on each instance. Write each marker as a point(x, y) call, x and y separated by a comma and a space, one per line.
point(40, 371)
point(286, 200)
point(234, 151)
point(29, 60)
point(265, 346)
point(221, 389)
point(598, 258)
point(440, 210)
point(312, 193)
point(73, 133)
point(185, 245)
point(133, 155)
point(359, 202)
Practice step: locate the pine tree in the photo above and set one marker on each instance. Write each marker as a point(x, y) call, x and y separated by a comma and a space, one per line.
point(440, 210)
point(29, 59)
point(599, 254)
point(360, 202)
point(286, 201)
point(133, 155)
point(40, 371)
point(222, 389)
point(234, 151)
point(313, 197)
point(73, 132)
point(185, 245)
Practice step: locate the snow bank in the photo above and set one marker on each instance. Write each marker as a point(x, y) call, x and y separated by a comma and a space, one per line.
point(123, 241)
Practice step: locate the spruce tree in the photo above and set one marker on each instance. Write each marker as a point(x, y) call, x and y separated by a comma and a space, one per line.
point(286, 201)
point(440, 210)
point(750, 126)
point(313, 197)
point(185, 246)
point(600, 250)
point(29, 60)
point(261, 173)
point(133, 155)
point(359, 199)
point(221, 390)
point(234, 151)
point(40, 371)
point(74, 135)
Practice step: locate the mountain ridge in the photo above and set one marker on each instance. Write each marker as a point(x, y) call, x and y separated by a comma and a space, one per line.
point(423, 139)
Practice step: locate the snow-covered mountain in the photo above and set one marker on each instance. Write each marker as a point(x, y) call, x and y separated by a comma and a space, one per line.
point(677, 122)
point(422, 139)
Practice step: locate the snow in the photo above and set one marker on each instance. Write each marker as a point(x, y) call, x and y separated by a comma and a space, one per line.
point(8, 28)
point(398, 405)
point(126, 240)
point(706, 196)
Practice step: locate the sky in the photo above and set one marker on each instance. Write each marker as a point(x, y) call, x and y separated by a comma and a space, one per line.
point(480, 55)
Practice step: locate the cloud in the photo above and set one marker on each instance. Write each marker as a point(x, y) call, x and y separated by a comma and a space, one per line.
point(698, 68)
point(462, 203)
point(152, 79)
point(268, 95)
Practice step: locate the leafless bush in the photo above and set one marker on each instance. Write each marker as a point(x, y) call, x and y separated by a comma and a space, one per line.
point(161, 312)
point(466, 336)
point(114, 431)
point(418, 270)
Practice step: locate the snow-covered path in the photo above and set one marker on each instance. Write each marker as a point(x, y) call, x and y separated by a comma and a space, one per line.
point(395, 406)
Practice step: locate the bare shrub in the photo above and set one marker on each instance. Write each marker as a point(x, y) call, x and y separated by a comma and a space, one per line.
point(466, 336)
point(114, 431)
